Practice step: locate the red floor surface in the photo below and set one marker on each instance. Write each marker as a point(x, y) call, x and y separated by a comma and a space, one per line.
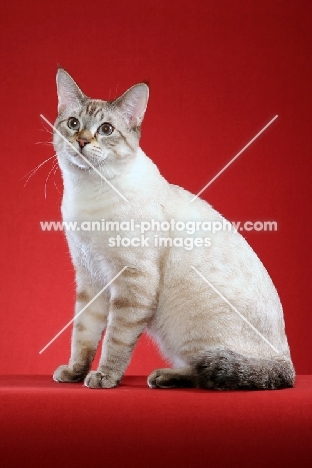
point(48, 424)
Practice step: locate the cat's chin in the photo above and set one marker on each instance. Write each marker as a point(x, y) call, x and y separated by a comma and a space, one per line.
point(83, 165)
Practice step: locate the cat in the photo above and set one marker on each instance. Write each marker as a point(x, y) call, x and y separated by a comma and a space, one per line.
point(210, 305)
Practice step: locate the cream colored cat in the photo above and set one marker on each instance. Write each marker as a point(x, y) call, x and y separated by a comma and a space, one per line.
point(236, 340)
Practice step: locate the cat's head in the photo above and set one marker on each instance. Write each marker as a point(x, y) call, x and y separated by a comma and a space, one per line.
point(103, 133)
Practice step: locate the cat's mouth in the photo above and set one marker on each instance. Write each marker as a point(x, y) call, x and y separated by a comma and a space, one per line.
point(81, 165)
point(85, 160)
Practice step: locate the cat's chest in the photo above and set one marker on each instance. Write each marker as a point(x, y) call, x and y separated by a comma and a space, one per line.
point(84, 219)
point(86, 207)
point(89, 255)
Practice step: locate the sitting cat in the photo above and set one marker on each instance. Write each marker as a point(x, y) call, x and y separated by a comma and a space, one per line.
point(212, 307)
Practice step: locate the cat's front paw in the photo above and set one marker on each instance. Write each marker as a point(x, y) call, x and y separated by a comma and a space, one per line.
point(96, 379)
point(66, 374)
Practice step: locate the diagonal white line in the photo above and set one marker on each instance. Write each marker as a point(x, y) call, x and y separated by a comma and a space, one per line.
point(85, 159)
point(82, 310)
point(235, 310)
point(233, 159)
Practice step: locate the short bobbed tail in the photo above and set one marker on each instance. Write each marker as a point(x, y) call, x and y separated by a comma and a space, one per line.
point(223, 369)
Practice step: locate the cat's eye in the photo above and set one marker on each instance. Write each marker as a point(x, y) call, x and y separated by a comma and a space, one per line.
point(73, 123)
point(106, 129)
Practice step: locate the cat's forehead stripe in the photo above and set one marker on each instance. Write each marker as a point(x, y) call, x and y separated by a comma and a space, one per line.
point(97, 111)
point(91, 108)
point(94, 109)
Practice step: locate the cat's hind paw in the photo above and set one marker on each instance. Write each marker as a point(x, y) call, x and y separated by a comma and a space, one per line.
point(66, 374)
point(96, 379)
point(171, 378)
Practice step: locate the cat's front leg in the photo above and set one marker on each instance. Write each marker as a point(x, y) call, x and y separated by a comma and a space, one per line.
point(125, 325)
point(131, 308)
point(87, 331)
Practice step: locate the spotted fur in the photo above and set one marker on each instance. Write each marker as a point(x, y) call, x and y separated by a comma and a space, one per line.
point(208, 344)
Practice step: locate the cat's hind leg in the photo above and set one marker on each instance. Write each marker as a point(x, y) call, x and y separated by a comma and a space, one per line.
point(173, 378)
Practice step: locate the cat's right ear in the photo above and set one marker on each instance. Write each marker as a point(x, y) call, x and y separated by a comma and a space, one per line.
point(69, 93)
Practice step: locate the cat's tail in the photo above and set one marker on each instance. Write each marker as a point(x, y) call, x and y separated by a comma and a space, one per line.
point(223, 369)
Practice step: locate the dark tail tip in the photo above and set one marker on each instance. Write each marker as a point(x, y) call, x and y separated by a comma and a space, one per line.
point(223, 369)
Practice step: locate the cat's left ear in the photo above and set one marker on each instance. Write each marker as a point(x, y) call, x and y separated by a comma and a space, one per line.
point(133, 104)
point(69, 93)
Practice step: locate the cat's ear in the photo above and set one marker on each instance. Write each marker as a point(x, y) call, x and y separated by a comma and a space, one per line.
point(69, 93)
point(133, 104)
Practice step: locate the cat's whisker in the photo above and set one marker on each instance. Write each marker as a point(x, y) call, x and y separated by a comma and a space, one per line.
point(46, 129)
point(45, 185)
point(33, 171)
point(101, 181)
point(56, 168)
point(44, 143)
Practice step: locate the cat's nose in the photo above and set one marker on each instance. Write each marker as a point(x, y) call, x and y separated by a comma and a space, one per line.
point(82, 142)
point(84, 138)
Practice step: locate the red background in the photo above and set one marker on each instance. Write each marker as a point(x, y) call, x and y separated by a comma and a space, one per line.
point(218, 72)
